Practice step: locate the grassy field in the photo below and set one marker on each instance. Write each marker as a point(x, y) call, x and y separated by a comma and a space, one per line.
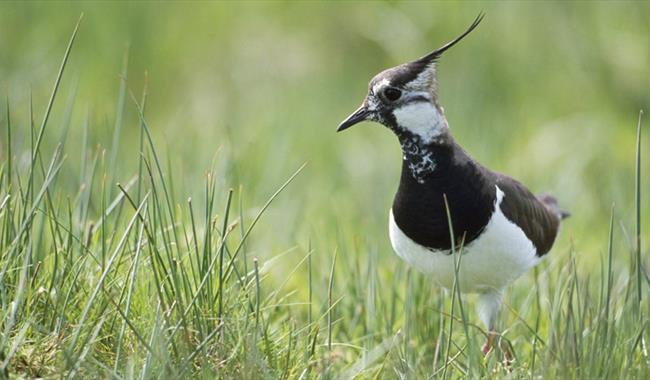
point(175, 203)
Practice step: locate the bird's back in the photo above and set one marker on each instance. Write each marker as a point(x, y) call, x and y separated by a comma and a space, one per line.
point(539, 217)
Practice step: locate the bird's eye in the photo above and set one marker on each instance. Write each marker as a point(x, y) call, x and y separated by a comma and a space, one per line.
point(391, 94)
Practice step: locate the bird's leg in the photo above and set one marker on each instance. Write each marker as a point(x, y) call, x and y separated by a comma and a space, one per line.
point(488, 309)
point(487, 347)
point(507, 352)
point(503, 346)
point(489, 304)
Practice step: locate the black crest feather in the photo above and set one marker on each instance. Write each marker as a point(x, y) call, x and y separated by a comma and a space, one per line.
point(434, 55)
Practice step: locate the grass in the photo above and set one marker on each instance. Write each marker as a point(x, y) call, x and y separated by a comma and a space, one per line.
point(117, 270)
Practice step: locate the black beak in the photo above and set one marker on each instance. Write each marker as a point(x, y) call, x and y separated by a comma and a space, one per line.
point(357, 116)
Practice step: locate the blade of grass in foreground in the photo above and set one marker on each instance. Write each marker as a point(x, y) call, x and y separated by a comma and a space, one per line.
point(330, 308)
point(9, 152)
point(119, 117)
point(129, 297)
point(221, 255)
point(55, 89)
point(637, 204)
point(474, 361)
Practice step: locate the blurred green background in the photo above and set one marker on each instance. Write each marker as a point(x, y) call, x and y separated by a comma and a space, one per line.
point(548, 92)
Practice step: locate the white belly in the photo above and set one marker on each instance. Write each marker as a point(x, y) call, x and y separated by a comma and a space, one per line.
point(497, 257)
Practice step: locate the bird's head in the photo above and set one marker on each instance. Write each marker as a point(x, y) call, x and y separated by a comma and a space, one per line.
point(404, 98)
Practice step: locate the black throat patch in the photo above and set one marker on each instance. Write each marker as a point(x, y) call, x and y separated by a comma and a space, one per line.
point(419, 157)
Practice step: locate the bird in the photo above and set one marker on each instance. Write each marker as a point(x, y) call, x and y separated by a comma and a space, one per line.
point(452, 217)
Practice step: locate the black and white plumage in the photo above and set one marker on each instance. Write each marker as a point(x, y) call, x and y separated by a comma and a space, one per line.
point(504, 229)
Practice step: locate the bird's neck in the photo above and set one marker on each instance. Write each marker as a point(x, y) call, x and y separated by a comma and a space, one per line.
point(421, 157)
point(421, 128)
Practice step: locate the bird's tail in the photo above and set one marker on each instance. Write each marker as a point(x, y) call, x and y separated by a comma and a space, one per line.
point(551, 204)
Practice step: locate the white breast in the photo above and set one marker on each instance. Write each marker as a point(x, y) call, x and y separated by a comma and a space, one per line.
point(497, 257)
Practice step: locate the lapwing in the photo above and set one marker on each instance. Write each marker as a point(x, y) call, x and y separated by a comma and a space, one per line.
point(499, 227)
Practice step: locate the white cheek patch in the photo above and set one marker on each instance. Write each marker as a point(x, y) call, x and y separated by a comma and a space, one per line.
point(422, 119)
